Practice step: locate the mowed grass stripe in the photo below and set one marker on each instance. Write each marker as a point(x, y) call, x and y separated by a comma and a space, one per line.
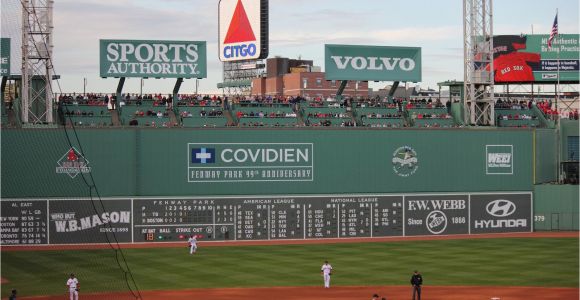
point(549, 262)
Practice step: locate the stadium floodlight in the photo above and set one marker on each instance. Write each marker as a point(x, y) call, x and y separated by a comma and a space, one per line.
point(478, 62)
point(37, 64)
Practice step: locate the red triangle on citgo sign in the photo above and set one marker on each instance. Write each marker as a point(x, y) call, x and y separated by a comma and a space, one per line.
point(240, 29)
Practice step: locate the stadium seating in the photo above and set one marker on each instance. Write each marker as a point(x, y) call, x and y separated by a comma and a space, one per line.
point(268, 115)
point(86, 115)
point(431, 117)
point(388, 117)
point(146, 115)
point(327, 116)
point(516, 118)
point(201, 116)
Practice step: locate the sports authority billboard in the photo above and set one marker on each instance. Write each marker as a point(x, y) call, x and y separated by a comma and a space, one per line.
point(159, 59)
point(526, 58)
point(243, 29)
point(354, 62)
point(4, 57)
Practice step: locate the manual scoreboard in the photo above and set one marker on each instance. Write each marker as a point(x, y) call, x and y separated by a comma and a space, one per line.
point(80, 221)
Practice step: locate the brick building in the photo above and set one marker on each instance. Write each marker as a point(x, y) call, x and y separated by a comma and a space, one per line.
point(289, 77)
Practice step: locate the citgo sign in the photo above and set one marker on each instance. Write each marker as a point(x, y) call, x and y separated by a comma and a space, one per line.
point(353, 62)
point(240, 30)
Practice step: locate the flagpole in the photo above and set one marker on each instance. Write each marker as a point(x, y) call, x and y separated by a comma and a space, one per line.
point(558, 128)
point(558, 84)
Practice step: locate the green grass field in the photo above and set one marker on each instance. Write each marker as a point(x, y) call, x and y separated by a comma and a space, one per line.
point(549, 262)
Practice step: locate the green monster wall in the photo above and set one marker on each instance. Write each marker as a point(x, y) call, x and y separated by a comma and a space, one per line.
point(556, 207)
point(157, 162)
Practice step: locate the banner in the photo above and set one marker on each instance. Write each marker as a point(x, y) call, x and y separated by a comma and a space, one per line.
point(526, 58)
point(157, 59)
point(376, 63)
point(243, 162)
point(4, 57)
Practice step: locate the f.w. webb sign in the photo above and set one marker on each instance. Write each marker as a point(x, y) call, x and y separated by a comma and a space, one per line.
point(352, 62)
point(158, 59)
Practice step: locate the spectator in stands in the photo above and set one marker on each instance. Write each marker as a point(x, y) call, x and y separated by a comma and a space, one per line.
point(10, 102)
point(226, 104)
point(133, 122)
point(169, 103)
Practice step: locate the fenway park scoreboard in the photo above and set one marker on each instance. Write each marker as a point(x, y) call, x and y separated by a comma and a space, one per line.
point(137, 220)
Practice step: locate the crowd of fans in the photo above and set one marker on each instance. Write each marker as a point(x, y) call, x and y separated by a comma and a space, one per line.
point(262, 124)
point(512, 104)
point(516, 117)
point(202, 113)
point(385, 125)
point(79, 112)
point(88, 99)
point(388, 115)
point(151, 113)
point(421, 116)
point(572, 115)
point(261, 114)
point(135, 122)
point(395, 108)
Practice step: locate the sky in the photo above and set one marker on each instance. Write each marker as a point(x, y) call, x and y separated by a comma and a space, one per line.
point(298, 28)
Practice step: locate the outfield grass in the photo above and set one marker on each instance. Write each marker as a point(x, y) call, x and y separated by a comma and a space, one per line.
point(549, 262)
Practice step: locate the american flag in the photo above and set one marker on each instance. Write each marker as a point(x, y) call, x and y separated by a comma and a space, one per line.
point(554, 32)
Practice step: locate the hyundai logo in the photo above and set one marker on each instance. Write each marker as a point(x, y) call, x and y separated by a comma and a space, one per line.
point(500, 208)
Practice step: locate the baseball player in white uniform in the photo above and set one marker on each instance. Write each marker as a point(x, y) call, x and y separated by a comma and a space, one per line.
point(192, 244)
point(73, 287)
point(326, 271)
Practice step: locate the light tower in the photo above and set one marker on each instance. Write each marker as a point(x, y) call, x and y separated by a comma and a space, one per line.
point(36, 61)
point(478, 62)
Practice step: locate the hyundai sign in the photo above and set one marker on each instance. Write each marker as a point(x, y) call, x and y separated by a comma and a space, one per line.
point(243, 29)
point(158, 59)
point(494, 213)
point(376, 63)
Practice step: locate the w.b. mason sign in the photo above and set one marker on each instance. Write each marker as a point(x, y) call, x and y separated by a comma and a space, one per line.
point(376, 63)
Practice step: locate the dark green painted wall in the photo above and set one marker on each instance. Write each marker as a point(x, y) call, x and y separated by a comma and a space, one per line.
point(546, 156)
point(154, 162)
point(556, 207)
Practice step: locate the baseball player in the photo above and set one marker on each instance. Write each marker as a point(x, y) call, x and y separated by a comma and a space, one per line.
point(73, 287)
point(326, 271)
point(192, 244)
